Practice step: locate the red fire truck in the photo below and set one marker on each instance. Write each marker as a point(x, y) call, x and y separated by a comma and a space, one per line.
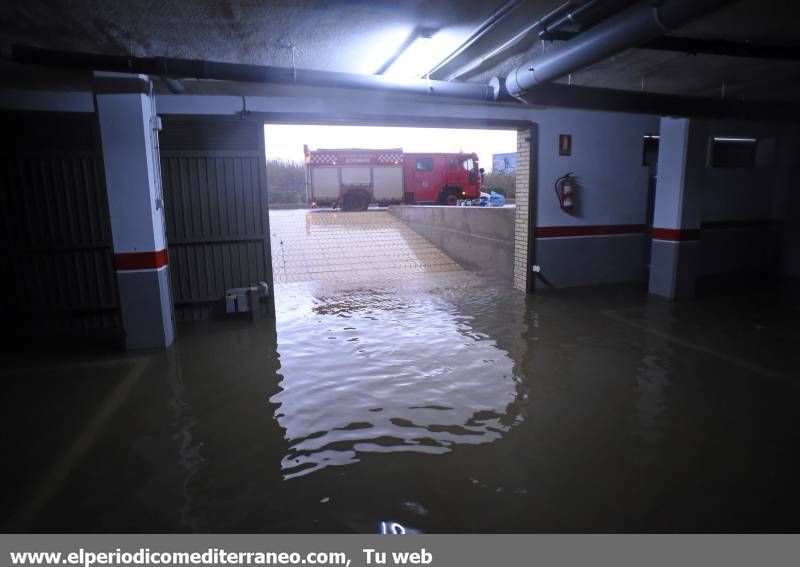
point(354, 178)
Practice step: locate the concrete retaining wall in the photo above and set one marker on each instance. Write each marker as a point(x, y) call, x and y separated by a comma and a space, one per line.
point(479, 238)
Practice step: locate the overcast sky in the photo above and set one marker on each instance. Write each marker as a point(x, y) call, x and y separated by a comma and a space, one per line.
point(286, 141)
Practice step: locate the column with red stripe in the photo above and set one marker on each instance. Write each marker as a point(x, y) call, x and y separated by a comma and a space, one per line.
point(675, 246)
point(128, 131)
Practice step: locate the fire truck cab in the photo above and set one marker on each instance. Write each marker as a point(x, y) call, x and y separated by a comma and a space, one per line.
point(433, 178)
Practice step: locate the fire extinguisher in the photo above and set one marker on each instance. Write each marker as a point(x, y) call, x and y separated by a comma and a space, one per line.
point(565, 188)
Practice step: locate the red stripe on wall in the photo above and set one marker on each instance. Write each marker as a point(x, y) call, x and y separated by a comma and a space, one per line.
point(676, 234)
point(596, 230)
point(140, 260)
point(673, 234)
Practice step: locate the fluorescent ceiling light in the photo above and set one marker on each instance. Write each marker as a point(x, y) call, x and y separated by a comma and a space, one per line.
point(414, 60)
point(737, 140)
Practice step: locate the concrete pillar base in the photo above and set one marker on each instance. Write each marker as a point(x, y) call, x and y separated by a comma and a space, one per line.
point(145, 300)
point(673, 268)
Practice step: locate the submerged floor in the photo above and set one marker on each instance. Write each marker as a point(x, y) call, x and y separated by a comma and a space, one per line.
point(438, 401)
point(449, 409)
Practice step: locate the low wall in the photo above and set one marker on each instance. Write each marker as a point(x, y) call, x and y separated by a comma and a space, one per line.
point(585, 260)
point(479, 238)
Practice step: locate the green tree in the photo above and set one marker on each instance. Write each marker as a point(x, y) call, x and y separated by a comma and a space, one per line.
point(286, 181)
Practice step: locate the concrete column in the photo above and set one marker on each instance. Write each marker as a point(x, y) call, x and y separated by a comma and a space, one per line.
point(523, 237)
point(676, 221)
point(130, 157)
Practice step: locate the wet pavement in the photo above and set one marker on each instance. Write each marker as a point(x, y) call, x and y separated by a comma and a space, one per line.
point(436, 400)
point(337, 247)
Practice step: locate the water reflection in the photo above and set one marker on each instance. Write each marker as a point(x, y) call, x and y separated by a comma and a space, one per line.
point(336, 247)
point(385, 370)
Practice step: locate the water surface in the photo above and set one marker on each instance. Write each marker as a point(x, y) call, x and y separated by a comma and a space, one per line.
point(435, 400)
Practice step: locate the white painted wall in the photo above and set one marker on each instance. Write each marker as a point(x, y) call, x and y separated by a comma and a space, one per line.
point(607, 160)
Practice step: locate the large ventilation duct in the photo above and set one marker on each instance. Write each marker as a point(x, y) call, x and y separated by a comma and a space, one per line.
point(629, 28)
point(199, 69)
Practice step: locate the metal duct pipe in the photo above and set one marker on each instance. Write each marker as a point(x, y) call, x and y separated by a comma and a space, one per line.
point(633, 26)
point(570, 17)
point(216, 70)
point(518, 37)
point(478, 33)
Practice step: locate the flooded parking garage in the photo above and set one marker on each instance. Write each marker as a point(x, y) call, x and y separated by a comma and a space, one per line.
point(435, 400)
point(265, 272)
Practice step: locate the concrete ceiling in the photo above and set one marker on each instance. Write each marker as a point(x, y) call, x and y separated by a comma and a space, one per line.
point(352, 35)
point(770, 22)
point(360, 35)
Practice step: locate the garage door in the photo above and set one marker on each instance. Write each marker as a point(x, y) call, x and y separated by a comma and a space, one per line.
point(57, 277)
point(215, 193)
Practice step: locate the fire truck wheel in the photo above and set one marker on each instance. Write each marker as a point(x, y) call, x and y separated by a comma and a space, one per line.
point(449, 197)
point(356, 201)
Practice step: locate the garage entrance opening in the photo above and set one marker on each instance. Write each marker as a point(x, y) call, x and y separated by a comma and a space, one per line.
point(336, 193)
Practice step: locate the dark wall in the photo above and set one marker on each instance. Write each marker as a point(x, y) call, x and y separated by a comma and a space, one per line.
point(57, 278)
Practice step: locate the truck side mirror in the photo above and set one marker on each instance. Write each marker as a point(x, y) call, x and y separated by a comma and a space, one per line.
point(483, 175)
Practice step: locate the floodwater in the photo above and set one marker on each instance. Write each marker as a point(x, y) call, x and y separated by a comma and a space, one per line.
point(434, 400)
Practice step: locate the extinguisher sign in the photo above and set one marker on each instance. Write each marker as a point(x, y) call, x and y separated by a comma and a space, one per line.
point(565, 144)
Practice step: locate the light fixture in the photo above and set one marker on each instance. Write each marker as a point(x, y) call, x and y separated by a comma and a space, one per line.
point(415, 57)
point(735, 140)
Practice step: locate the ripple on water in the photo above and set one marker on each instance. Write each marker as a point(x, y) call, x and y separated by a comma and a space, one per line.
point(419, 378)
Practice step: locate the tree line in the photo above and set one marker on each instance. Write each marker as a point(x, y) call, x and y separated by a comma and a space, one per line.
point(286, 181)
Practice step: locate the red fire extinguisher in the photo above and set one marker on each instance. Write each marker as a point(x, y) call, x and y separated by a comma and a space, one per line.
point(565, 187)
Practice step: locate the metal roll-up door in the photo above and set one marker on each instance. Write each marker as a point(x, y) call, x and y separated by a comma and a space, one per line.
point(213, 172)
point(57, 278)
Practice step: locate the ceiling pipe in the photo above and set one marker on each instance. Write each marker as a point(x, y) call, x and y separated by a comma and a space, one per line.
point(571, 17)
point(698, 46)
point(215, 70)
point(629, 28)
point(175, 86)
point(484, 27)
point(587, 14)
point(514, 40)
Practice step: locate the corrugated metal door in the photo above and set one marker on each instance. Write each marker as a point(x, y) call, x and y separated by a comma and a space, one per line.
point(213, 173)
point(57, 276)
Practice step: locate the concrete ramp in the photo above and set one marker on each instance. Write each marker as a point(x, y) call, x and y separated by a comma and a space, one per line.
point(338, 247)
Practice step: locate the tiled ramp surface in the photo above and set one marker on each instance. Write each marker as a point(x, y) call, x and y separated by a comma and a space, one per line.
point(334, 246)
